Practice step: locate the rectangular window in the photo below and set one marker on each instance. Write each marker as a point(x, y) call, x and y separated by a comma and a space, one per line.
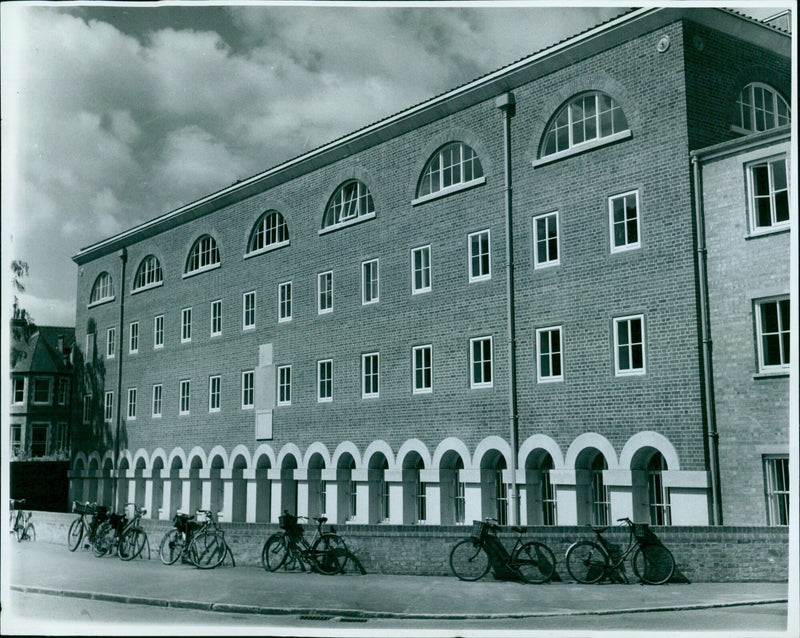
point(39, 435)
point(776, 471)
point(18, 393)
point(285, 385)
point(16, 438)
point(131, 404)
point(480, 360)
point(249, 310)
point(108, 407)
point(214, 387)
point(248, 385)
point(772, 324)
point(325, 380)
point(157, 390)
point(370, 375)
point(62, 438)
point(186, 325)
point(623, 211)
point(216, 318)
point(90, 342)
point(285, 301)
point(370, 290)
point(548, 354)
point(421, 270)
point(111, 343)
point(158, 332)
point(769, 195)
point(184, 397)
point(42, 391)
point(422, 366)
point(87, 409)
point(545, 241)
point(479, 256)
point(325, 292)
point(63, 391)
point(629, 345)
point(134, 338)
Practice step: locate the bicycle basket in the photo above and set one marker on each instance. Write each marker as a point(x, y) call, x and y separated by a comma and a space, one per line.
point(181, 522)
point(100, 512)
point(287, 521)
point(481, 530)
point(641, 530)
point(82, 508)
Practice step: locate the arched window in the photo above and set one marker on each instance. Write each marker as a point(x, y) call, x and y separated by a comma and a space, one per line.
point(452, 167)
point(584, 119)
point(760, 108)
point(658, 493)
point(270, 231)
point(548, 492)
point(148, 274)
point(103, 289)
point(601, 504)
point(351, 201)
point(204, 255)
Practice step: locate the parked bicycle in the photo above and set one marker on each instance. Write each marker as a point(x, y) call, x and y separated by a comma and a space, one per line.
point(471, 558)
point(122, 536)
point(19, 521)
point(197, 538)
point(326, 553)
point(175, 543)
point(589, 561)
point(86, 525)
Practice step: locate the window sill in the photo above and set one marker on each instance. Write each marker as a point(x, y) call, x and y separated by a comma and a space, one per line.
point(582, 148)
point(634, 373)
point(94, 304)
point(200, 271)
point(136, 291)
point(345, 224)
point(547, 264)
point(770, 231)
point(550, 380)
point(456, 188)
point(286, 320)
point(777, 374)
point(267, 249)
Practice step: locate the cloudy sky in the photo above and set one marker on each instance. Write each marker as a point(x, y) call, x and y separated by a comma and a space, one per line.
point(114, 115)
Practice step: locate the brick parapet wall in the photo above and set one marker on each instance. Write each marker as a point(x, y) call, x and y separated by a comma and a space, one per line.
point(702, 554)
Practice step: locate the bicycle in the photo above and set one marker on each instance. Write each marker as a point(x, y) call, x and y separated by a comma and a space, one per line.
point(208, 548)
point(326, 553)
point(124, 537)
point(589, 561)
point(175, 543)
point(19, 521)
point(471, 558)
point(82, 528)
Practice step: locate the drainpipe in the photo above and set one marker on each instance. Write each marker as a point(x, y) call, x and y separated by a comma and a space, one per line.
point(123, 255)
point(506, 103)
point(708, 378)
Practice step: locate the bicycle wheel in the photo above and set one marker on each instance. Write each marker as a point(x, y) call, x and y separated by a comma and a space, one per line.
point(653, 564)
point(586, 562)
point(329, 554)
point(30, 533)
point(468, 560)
point(75, 535)
point(132, 543)
point(103, 539)
point(534, 562)
point(208, 549)
point(172, 546)
point(274, 552)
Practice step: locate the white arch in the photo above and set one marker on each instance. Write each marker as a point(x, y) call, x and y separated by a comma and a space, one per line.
point(492, 443)
point(346, 447)
point(158, 453)
point(141, 453)
point(218, 450)
point(108, 456)
point(378, 447)
point(413, 445)
point(94, 455)
point(196, 452)
point(587, 440)
point(317, 448)
point(241, 450)
point(649, 439)
point(286, 450)
point(451, 444)
point(177, 452)
point(125, 454)
point(80, 456)
point(264, 450)
point(541, 442)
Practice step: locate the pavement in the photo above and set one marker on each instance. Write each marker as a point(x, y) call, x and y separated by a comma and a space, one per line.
point(44, 568)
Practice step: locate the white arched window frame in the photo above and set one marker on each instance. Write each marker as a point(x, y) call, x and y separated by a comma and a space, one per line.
point(203, 256)
point(103, 289)
point(269, 233)
point(760, 108)
point(148, 275)
point(454, 167)
point(351, 203)
point(587, 121)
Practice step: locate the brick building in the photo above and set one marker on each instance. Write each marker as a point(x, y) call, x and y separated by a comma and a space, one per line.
point(378, 331)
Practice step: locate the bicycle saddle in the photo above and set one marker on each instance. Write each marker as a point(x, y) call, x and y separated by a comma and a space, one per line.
point(519, 530)
point(323, 519)
point(598, 530)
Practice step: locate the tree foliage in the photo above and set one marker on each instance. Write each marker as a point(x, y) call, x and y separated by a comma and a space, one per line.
point(22, 326)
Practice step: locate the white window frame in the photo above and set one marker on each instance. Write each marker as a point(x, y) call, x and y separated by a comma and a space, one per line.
point(436, 165)
point(63, 391)
point(206, 249)
point(611, 223)
point(215, 393)
point(133, 337)
point(370, 282)
point(425, 270)
point(328, 277)
point(249, 310)
point(782, 329)
point(473, 384)
point(284, 394)
point(15, 431)
point(87, 409)
point(373, 361)
point(540, 334)
point(131, 406)
point(108, 406)
point(157, 402)
point(90, 344)
point(285, 302)
point(186, 325)
point(49, 382)
point(216, 318)
point(40, 425)
point(537, 240)
point(111, 343)
point(774, 97)
point(632, 371)
point(775, 225)
point(415, 389)
point(772, 491)
point(248, 389)
point(158, 331)
point(15, 382)
point(185, 397)
point(482, 276)
point(329, 380)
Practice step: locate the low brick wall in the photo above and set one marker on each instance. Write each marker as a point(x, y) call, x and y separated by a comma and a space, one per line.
point(702, 554)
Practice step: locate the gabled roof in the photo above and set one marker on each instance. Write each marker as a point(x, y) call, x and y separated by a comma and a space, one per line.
point(40, 355)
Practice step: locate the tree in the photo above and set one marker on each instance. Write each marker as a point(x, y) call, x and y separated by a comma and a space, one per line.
point(22, 326)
